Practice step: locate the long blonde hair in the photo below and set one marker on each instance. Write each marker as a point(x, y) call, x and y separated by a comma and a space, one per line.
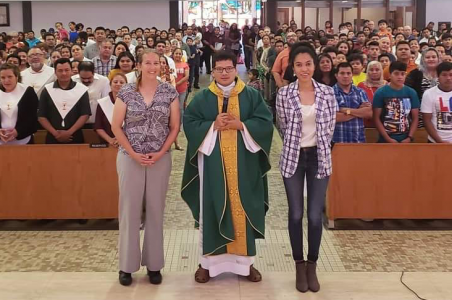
point(371, 83)
point(140, 61)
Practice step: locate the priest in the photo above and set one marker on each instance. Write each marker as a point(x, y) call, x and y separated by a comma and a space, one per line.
point(229, 131)
point(64, 107)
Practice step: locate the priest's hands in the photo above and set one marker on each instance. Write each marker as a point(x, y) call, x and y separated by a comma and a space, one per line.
point(7, 135)
point(63, 136)
point(227, 121)
point(234, 123)
point(221, 122)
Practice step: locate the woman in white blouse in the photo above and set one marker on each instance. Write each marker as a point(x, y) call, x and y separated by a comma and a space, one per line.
point(306, 113)
point(18, 108)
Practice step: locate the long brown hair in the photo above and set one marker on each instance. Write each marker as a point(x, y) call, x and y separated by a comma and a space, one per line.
point(15, 70)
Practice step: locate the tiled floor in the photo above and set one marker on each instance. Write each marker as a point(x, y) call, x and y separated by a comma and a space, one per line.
point(181, 286)
point(353, 264)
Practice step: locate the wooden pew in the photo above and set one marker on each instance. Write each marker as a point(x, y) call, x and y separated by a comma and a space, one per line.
point(385, 181)
point(420, 135)
point(369, 180)
point(58, 182)
point(91, 137)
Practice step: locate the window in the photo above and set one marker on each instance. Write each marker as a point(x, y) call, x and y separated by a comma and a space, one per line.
point(231, 11)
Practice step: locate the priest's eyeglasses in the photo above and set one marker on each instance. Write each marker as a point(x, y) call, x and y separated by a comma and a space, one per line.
point(227, 69)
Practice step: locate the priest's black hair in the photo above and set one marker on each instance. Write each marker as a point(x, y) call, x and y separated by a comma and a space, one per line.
point(224, 55)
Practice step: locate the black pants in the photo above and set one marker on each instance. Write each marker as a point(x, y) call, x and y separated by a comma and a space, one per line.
point(205, 58)
point(248, 57)
point(307, 167)
point(194, 72)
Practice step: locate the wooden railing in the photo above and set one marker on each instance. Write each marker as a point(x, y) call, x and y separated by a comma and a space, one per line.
point(58, 182)
point(408, 181)
point(386, 181)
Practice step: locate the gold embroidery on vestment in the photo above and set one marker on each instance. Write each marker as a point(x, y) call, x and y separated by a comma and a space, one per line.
point(228, 146)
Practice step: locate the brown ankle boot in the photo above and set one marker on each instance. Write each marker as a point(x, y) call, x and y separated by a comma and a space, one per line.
point(313, 282)
point(301, 281)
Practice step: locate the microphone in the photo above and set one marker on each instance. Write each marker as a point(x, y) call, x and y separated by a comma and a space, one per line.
point(225, 101)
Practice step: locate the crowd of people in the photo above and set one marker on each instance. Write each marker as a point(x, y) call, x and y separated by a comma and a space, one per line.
point(103, 53)
point(319, 87)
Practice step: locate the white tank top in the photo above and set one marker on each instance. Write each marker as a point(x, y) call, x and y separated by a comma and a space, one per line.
point(308, 128)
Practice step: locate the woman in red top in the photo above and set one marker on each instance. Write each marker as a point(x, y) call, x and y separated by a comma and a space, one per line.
point(183, 73)
point(374, 81)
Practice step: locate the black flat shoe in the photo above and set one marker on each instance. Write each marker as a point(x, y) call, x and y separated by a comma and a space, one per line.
point(155, 277)
point(125, 279)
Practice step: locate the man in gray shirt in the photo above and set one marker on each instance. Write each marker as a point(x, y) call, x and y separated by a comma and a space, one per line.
point(92, 50)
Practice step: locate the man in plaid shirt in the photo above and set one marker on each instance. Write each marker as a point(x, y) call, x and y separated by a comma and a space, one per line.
point(106, 61)
point(354, 106)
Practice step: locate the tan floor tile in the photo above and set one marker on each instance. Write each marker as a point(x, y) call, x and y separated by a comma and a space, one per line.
point(176, 285)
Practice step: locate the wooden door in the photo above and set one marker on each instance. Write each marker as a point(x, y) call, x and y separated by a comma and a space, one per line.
point(283, 15)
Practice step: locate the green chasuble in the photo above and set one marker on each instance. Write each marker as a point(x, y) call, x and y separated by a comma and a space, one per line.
point(252, 168)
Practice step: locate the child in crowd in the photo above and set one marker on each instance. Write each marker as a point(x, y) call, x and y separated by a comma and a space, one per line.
point(340, 58)
point(254, 81)
point(357, 61)
point(385, 60)
point(383, 29)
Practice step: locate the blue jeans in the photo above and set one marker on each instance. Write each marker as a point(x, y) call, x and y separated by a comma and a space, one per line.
point(307, 167)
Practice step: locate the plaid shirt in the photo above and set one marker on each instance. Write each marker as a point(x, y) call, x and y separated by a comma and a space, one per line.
point(104, 68)
point(257, 84)
point(351, 131)
point(288, 110)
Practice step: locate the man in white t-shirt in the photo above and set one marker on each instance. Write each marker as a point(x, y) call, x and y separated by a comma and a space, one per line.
point(436, 107)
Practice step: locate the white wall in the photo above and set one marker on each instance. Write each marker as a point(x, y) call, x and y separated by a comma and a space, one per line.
point(438, 11)
point(311, 16)
point(15, 17)
point(297, 15)
point(374, 13)
point(110, 14)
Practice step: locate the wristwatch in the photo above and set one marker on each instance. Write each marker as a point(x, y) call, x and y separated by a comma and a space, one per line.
point(348, 112)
